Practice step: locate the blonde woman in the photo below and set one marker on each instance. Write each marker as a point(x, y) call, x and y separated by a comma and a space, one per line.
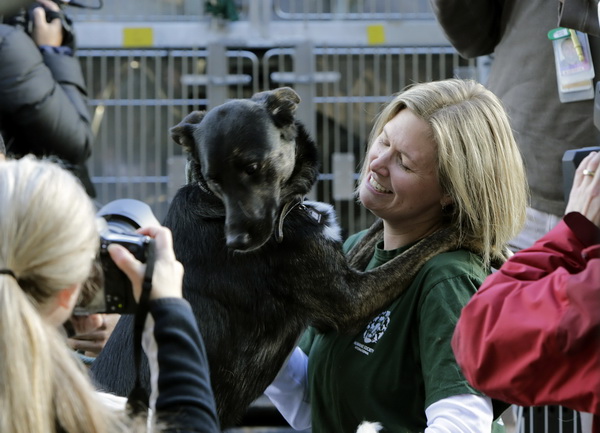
point(48, 241)
point(440, 154)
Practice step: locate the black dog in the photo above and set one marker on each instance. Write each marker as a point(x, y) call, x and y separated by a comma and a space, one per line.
point(260, 263)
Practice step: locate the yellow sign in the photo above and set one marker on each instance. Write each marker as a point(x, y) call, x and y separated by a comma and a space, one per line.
point(138, 37)
point(376, 34)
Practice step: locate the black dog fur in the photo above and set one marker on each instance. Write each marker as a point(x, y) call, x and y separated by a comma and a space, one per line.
point(260, 264)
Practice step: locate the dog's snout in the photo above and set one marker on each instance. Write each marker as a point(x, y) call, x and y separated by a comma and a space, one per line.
point(248, 231)
point(239, 241)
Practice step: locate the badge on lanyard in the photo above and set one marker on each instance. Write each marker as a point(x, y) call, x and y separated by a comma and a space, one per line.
point(573, 61)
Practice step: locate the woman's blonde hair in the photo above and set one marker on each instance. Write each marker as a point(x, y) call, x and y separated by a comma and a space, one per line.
point(479, 163)
point(48, 240)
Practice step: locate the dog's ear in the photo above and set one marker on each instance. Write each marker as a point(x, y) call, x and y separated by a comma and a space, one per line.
point(280, 103)
point(183, 132)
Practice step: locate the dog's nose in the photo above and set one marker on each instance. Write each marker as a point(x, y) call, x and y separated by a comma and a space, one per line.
point(239, 241)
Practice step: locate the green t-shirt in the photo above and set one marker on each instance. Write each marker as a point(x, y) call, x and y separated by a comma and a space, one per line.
point(402, 362)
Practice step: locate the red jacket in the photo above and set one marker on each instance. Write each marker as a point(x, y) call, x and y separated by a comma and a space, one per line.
point(531, 334)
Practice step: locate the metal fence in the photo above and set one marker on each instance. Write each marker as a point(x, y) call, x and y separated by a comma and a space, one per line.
point(137, 95)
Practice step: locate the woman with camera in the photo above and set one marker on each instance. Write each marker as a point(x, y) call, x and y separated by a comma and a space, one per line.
point(49, 242)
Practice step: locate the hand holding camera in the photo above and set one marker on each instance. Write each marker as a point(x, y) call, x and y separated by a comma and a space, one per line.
point(47, 24)
point(115, 286)
point(109, 289)
point(168, 272)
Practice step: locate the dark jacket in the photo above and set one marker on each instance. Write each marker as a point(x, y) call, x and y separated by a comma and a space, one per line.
point(185, 400)
point(524, 77)
point(43, 102)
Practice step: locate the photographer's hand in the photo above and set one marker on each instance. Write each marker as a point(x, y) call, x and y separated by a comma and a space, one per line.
point(44, 33)
point(585, 194)
point(168, 272)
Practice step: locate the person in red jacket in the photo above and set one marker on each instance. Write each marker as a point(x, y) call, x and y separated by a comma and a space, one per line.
point(531, 334)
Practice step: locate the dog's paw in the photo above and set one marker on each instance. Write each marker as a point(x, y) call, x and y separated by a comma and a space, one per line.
point(369, 427)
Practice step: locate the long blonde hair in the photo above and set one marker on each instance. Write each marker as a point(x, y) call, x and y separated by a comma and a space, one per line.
point(48, 240)
point(479, 163)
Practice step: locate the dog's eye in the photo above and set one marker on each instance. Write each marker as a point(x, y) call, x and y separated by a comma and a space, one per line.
point(251, 169)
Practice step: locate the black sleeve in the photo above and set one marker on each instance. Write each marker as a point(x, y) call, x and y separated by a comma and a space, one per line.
point(43, 100)
point(185, 399)
point(579, 15)
point(473, 27)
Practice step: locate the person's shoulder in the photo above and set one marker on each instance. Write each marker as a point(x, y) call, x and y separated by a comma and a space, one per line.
point(451, 278)
point(459, 256)
point(7, 30)
point(354, 239)
point(452, 264)
point(12, 38)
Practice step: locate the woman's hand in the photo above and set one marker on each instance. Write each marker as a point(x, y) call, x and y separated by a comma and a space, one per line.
point(585, 193)
point(168, 272)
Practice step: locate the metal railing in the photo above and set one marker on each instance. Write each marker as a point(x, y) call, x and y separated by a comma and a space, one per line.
point(137, 95)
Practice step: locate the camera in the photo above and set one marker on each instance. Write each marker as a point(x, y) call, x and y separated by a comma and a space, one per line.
point(24, 19)
point(108, 289)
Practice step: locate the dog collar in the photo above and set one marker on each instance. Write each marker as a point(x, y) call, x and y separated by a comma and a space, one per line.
point(285, 210)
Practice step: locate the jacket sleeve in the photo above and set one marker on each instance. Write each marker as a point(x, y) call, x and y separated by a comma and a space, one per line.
point(43, 99)
point(289, 391)
point(182, 396)
point(530, 335)
point(473, 27)
point(579, 15)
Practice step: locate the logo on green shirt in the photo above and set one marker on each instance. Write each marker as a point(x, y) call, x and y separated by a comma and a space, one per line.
point(373, 333)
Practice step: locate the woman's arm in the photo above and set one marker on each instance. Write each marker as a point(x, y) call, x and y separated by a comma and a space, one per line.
point(529, 336)
point(182, 396)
